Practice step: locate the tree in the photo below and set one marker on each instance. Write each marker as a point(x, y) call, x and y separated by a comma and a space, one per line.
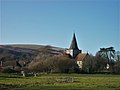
point(89, 64)
point(101, 63)
point(117, 56)
point(54, 65)
point(117, 67)
point(107, 53)
point(94, 64)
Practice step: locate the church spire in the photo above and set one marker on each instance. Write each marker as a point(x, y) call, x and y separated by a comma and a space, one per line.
point(74, 43)
point(73, 50)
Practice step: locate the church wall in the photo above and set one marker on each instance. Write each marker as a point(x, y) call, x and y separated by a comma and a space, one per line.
point(79, 63)
point(69, 51)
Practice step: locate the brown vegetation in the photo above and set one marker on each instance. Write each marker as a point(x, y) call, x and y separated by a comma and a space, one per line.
point(54, 65)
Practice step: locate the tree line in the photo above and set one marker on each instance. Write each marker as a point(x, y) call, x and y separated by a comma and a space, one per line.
point(102, 62)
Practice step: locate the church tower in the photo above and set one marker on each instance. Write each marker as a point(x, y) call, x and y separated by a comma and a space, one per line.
point(73, 50)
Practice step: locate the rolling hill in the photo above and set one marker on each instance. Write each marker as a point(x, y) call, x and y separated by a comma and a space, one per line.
point(24, 52)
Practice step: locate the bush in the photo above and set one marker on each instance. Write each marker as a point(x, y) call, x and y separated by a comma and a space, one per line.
point(7, 70)
point(117, 67)
point(94, 64)
point(54, 65)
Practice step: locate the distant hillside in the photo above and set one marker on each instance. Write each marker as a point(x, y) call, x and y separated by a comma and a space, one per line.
point(30, 46)
point(9, 53)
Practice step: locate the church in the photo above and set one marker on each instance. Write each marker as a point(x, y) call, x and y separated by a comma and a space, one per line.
point(75, 52)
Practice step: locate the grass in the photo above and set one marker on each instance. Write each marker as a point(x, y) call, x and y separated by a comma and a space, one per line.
point(60, 82)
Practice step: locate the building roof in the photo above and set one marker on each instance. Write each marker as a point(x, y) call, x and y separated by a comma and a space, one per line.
point(81, 56)
point(74, 43)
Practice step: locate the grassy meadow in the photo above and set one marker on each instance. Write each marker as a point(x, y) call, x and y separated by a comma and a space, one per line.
point(60, 82)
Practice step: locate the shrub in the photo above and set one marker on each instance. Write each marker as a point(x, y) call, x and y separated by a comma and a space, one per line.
point(54, 65)
point(117, 67)
point(7, 70)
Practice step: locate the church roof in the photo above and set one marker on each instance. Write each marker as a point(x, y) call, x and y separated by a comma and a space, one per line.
point(74, 43)
point(81, 56)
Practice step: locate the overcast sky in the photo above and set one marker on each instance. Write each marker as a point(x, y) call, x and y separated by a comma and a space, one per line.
point(53, 22)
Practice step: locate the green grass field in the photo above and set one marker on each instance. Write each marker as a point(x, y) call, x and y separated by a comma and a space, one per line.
point(60, 82)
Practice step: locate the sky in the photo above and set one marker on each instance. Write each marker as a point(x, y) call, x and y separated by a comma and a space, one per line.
point(96, 23)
